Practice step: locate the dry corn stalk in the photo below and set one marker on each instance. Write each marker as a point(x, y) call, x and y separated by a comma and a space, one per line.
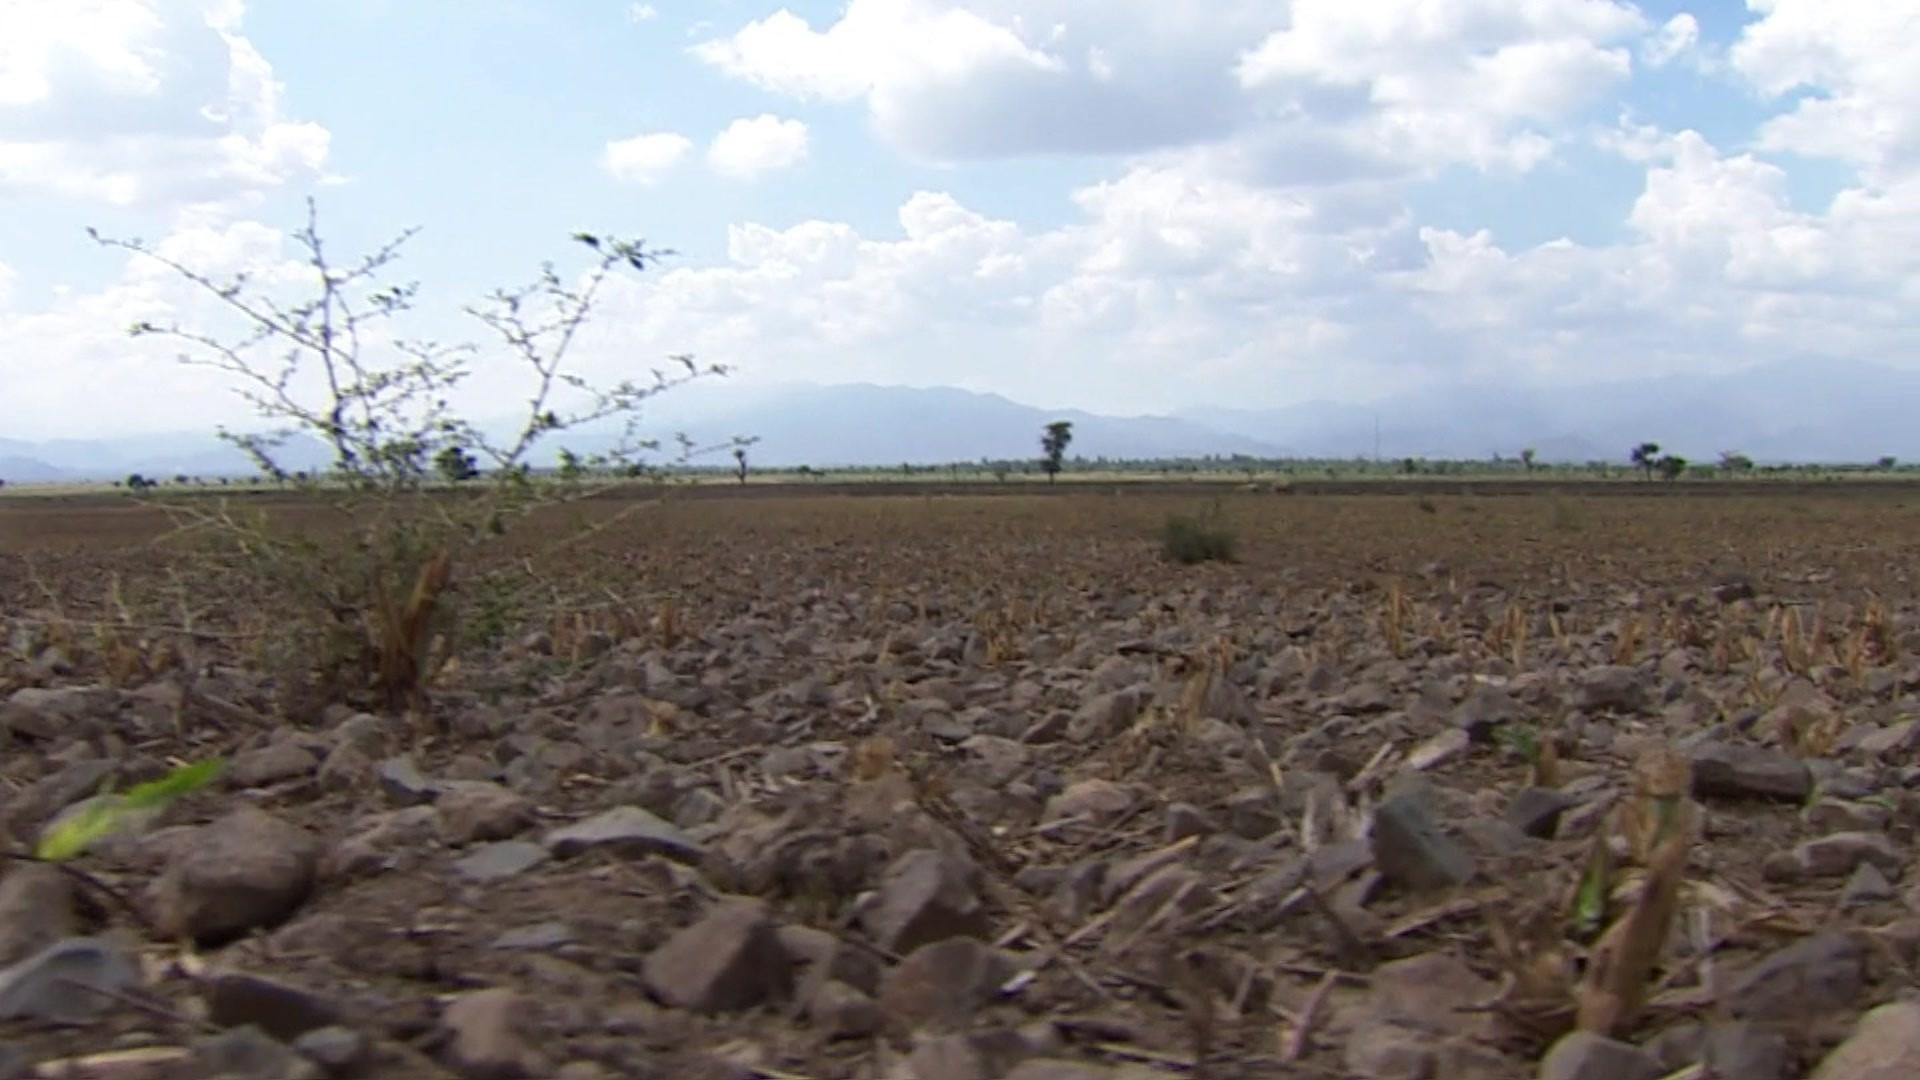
point(1660, 824)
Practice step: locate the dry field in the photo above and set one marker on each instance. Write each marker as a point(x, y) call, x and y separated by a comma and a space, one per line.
point(949, 785)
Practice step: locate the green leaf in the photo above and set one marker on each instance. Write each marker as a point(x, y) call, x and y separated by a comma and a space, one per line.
point(108, 813)
point(1590, 902)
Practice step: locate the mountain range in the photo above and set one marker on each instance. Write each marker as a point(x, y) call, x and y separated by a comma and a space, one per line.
point(1807, 411)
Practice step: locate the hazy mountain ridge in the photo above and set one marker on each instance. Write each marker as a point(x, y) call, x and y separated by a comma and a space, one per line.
point(1820, 412)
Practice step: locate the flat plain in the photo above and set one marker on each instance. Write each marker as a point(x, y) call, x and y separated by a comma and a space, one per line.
point(813, 782)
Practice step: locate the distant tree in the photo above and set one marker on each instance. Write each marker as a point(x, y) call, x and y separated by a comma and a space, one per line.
point(1732, 461)
point(1526, 459)
point(1053, 445)
point(1671, 466)
point(137, 482)
point(740, 463)
point(571, 467)
point(454, 464)
point(1646, 456)
point(1887, 463)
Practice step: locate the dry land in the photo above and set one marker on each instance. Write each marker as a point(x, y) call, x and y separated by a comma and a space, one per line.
point(960, 783)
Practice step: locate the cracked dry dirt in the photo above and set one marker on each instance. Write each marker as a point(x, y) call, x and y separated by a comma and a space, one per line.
point(952, 787)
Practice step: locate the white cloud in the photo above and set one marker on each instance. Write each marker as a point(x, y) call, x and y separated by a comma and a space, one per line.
point(156, 102)
point(1677, 37)
point(751, 146)
point(1472, 82)
point(1862, 60)
point(1382, 84)
point(992, 78)
point(639, 13)
point(645, 159)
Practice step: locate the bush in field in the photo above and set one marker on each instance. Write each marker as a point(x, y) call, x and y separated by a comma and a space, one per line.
point(367, 614)
point(1196, 538)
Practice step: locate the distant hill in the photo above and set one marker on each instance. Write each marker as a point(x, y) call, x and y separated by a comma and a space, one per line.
point(1810, 411)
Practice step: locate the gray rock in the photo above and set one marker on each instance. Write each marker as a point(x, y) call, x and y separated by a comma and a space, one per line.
point(346, 767)
point(271, 764)
point(36, 910)
point(282, 1010)
point(476, 810)
point(243, 871)
point(247, 1053)
point(1106, 715)
point(403, 781)
point(1410, 850)
point(1737, 771)
point(504, 859)
point(1584, 1055)
point(53, 984)
point(1825, 971)
point(1253, 813)
point(1486, 709)
point(1185, 819)
point(843, 1012)
point(340, 1051)
point(1748, 1051)
point(1885, 1045)
point(1867, 885)
point(1536, 811)
point(1094, 800)
point(730, 960)
point(924, 896)
point(976, 1055)
point(487, 1037)
point(628, 830)
point(1837, 855)
point(943, 984)
point(1613, 688)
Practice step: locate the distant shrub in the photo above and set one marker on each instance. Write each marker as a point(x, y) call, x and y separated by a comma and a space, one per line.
point(1196, 538)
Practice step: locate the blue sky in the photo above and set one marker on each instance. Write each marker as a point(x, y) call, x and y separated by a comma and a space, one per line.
point(1114, 204)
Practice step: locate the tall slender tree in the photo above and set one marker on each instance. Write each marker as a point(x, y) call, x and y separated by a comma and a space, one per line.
point(1053, 444)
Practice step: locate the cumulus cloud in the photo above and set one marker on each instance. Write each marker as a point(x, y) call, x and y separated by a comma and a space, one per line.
point(645, 159)
point(151, 102)
point(1863, 63)
point(998, 77)
point(760, 144)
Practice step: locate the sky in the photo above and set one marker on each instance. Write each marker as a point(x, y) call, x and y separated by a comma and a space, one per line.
point(1120, 205)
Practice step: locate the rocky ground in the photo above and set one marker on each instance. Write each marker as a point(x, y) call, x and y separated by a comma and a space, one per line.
point(958, 789)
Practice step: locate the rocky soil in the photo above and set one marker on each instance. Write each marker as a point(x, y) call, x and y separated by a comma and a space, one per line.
point(965, 789)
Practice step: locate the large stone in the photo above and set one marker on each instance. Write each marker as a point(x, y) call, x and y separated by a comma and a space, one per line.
point(1885, 1045)
point(471, 811)
point(924, 896)
point(68, 982)
point(731, 959)
point(1410, 850)
point(504, 859)
point(1095, 801)
point(244, 871)
point(943, 984)
point(36, 910)
point(282, 1010)
point(628, 830)
point(1737, 771)
point(1613, 688)
point(1536, 811)
point(1584, 1055)
point(486, 1037)
point(271, 764)
point(1822, 972)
